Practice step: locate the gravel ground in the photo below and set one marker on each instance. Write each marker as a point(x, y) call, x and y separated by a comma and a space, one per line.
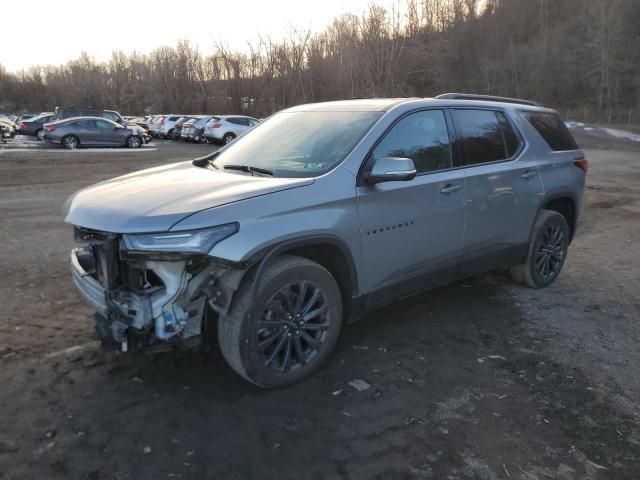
point(479, 380)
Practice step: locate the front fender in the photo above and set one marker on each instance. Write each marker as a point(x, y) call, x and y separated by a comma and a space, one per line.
point(322, 212)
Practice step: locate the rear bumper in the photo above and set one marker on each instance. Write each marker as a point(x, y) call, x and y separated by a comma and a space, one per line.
point(52, 138)
point(214, 135)
point(90, 289)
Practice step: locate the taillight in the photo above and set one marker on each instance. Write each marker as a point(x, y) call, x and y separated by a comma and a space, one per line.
point(50, 128)
point(22, 126)
point(216, 125)
point(582, 163)
point(162, 121)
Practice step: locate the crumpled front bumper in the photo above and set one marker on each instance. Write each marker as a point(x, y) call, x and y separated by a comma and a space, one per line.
point(90, 289)
point(171, 313)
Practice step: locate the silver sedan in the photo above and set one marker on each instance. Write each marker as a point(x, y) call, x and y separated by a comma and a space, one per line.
point(92, 131)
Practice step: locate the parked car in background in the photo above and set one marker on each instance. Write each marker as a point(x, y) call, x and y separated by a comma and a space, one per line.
point(4, 134)
point(141, 121)
point(35, 126)
point(225, 128)
point(166, 124)
point(92, 131)
point(193, 130)
point(62, 113)
point(25, 116)
point(177, 128)
point(10, 128)
point(153, 125)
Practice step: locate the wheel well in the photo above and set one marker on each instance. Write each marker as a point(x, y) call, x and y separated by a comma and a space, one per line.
point(565, 207)
point(334, 260)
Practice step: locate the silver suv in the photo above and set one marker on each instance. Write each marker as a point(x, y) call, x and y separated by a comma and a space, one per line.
point(319, 214)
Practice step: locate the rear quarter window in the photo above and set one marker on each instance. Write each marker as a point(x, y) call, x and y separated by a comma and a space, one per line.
point(486, 136)
point(552, 129)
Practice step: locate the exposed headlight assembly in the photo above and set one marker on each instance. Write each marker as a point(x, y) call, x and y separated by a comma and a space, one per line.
point(188, 242)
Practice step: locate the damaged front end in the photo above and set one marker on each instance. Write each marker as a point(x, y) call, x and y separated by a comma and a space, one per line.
point(151, 292)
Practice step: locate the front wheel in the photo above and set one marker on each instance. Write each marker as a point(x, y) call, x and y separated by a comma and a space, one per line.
point(71, 142)
point(134, 141)
point(547, 251)
point(291, 330)
point(40, 134)
point(228, 138)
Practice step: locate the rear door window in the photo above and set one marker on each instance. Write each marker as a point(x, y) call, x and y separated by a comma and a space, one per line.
point(487, 136)
point(83, 124)
point(551, 127)
point(104, 125)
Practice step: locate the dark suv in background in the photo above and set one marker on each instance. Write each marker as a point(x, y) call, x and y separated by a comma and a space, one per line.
point(62, 113)
point(321, 213)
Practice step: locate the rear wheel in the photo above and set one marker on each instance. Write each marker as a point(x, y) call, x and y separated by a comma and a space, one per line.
point(291, 330)
point(547, 251)
point(71, 142)
point(228, 137)
point(134, 141)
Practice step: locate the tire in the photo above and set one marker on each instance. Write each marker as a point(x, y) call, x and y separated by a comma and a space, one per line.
point(169, 135)
point(134, 141)
point(547, 251)
point(40, 134)
point(271, 349)
point(71, 142)
point(228, 138)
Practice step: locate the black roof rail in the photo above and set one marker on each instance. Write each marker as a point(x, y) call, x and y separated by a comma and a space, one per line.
point(486, 98)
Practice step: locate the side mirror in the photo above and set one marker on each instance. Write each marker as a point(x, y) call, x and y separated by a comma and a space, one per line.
point(391, 169)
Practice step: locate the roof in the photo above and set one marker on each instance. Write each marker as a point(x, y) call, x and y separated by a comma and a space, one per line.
point(84, 118)
point(359, 105)
point(384, 104)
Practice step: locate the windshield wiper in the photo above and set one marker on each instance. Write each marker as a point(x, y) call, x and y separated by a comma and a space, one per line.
point(249, 169)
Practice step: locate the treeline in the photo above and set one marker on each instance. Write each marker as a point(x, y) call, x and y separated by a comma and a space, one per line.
point(580, 56)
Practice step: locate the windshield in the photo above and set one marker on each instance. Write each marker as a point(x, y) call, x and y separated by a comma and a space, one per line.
point(299, 144)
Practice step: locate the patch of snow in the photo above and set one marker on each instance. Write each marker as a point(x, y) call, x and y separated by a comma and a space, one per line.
point(622, 134)
point(572, 124)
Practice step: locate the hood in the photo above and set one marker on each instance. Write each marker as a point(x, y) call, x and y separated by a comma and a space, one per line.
point(155, 199)
point(133, 126)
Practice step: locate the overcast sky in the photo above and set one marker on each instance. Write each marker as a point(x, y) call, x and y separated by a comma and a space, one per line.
point(54, 31)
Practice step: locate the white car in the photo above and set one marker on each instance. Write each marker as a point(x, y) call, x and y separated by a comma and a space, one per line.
point(9, 128)
point(165, 124)
point(224, 128)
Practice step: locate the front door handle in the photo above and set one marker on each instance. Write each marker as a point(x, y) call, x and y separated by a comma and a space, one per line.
point(529, 174)
point(447, 189)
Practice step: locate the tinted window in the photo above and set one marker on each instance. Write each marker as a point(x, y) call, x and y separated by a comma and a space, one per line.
point(551, 127)
point(83, 124)
point(111, 116)
point(511, 139)
point(423, 137)
point(104, 125)
point(235, 121)
point(483, 136)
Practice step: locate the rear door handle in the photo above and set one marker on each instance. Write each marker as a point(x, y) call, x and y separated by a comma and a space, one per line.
point(450, 189)
point(529, 174)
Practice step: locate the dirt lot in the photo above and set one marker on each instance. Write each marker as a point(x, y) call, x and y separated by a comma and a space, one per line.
point(480, 380)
